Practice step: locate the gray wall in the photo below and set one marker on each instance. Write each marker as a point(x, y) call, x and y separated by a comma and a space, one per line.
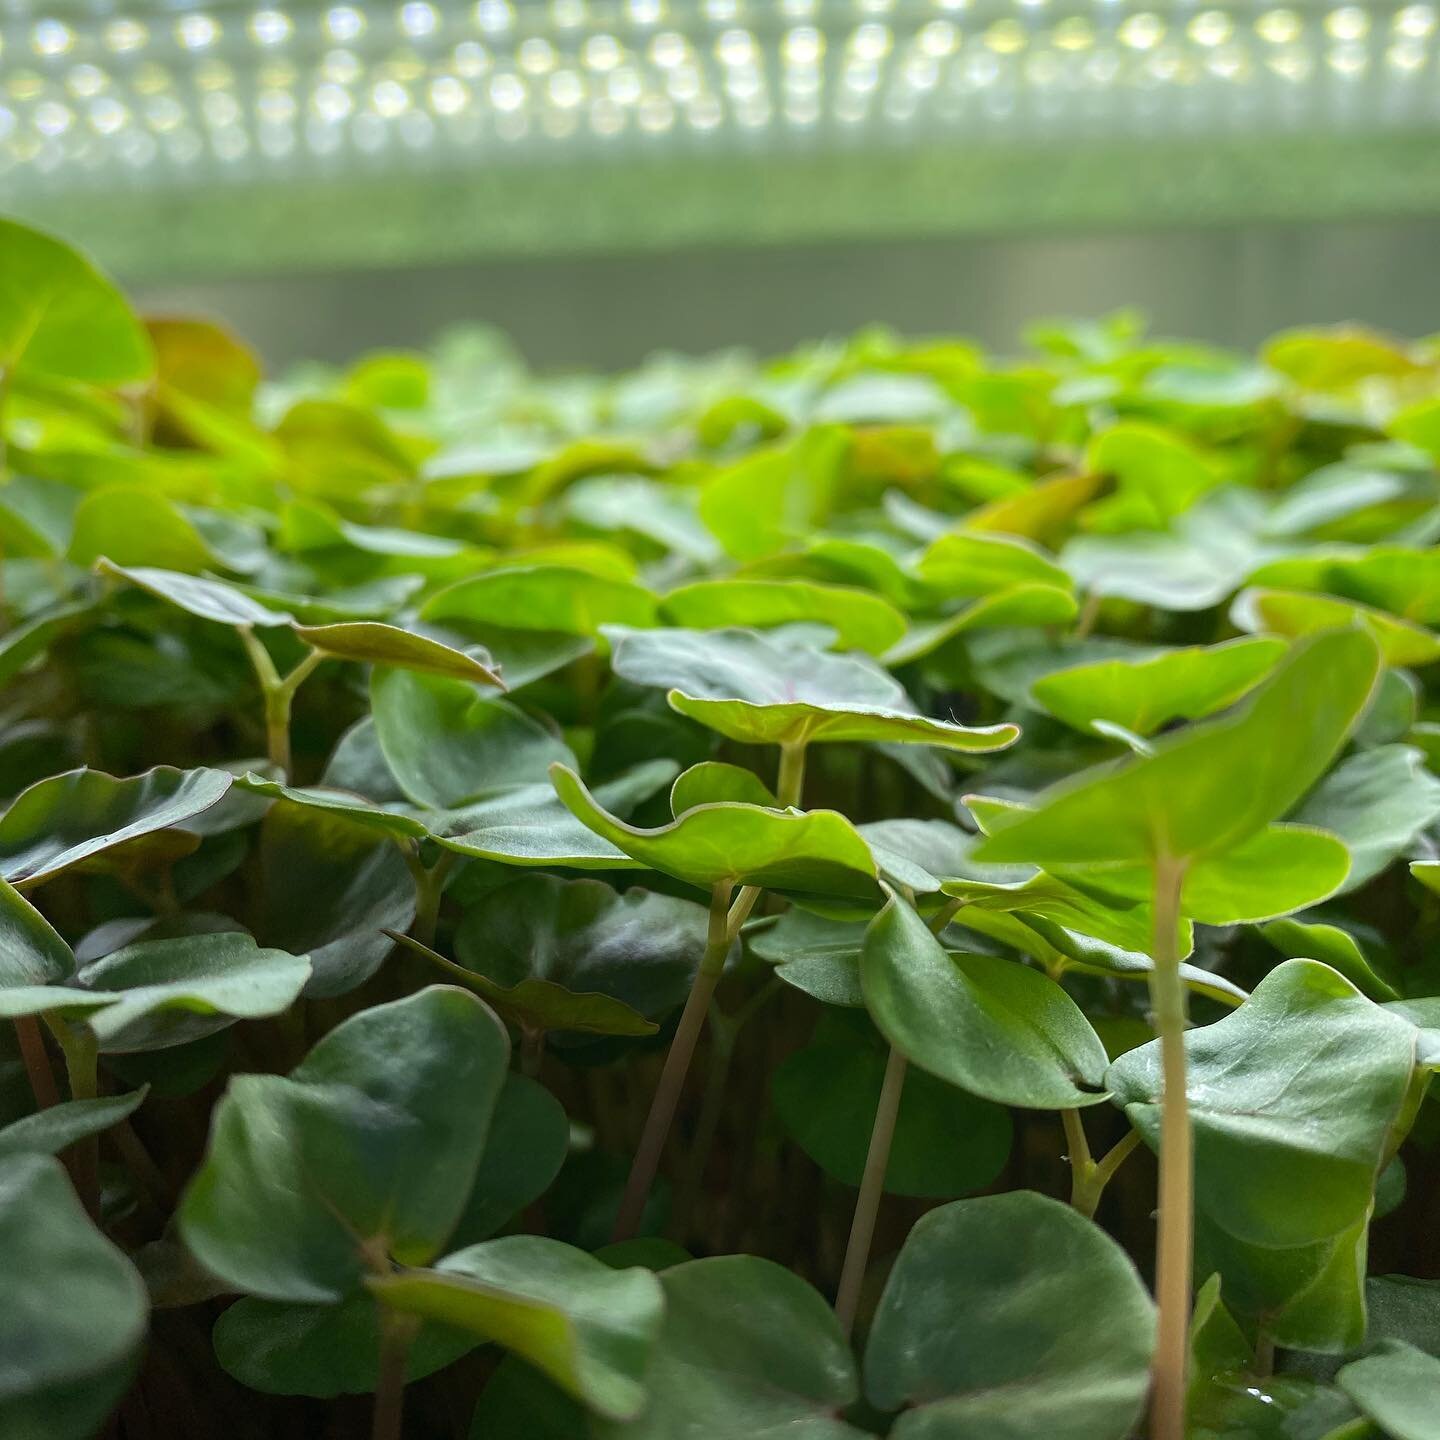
point(1230, 285)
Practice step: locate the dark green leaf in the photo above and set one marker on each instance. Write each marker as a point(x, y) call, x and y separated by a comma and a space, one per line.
point(746, 1348)
point(369, 1147)
point(586, 1326)
point(1008, 1318)
point(994, 1027)
point(72, 1308)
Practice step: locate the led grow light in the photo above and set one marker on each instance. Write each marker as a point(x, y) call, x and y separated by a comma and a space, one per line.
point(89, 97)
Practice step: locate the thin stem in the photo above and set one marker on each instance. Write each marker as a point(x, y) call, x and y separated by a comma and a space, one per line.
point(724, 925)
point(790, 783)
point(1264, 1354)
point(1088, 1176)
point(277, 694)
point(944, 915)
point(1176, 1218)
point(1116, 1156)
point(722, 1051)
point(1089, 614)
point(1082, 1166)
point(532, 1050)
point(37, 1061)
point(396, 1334)
point(872, 1187)
point(429, 891)
point(724, 1033)
point(141, 1165)
point(82, 1058)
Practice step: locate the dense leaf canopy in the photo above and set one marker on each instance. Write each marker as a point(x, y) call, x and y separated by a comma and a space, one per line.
point(451, 817)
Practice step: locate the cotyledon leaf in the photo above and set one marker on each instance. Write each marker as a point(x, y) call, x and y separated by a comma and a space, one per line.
point(777, 689)
point(816, 852)
point(71, 818)
point(588, 1327)
point(1277, 1162)
point(994, 1027)
point(66, 1364)
point(1010, 1317)
point(1208, 789)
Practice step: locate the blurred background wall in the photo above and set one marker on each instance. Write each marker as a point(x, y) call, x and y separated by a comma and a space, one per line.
point(1232, 284)
point(604, 177)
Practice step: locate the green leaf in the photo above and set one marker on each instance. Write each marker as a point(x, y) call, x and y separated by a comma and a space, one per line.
point(70, 819)
point(1211, 788)
point(329, 889)
point(711, 783)
point(542, 1005)
point(31, 951)
point(746, 1349)
point(521, 825)
point(61, 318)
point(1280, 869)
point(815, 954)
point(1398, 1388)
point(994, 1027)
point(1298, 612)
point(531, 825)
point(1379, 802)
point(1194, 566)
point(1007, 1318)
point(775, 689)
point(1239, 1406)
point(527, 1143)
point(173, 991)
point(519, 1403)
point(48, 1132)
point(281, 1348)
point(588, 1327)
point(205, 598)
point(543, 597)
point(861, 620)
point(1120, 922)
point(1423, 1014)
point(775, 496)
point(1335, 358)
point(1156, 473)
point(1307, 1297)
point(962, 563)
point(946, 1143)
point(19, 646)
point(1143, 696)
point(1337, 948)
point(558, 950)
point(369, 1147)
point(374, 643)
point(1278, 1162)
point(817, 853)
point(1403, 581)
point(67, 1364)
point(1427, 872)
point(1217, 1343)
point(132, 525)
point(448, 745)
point(1019, 606)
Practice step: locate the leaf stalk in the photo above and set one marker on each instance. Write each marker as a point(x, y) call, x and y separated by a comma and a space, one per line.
point(1176, 1209)
point(725, 922)
point(872, 1188)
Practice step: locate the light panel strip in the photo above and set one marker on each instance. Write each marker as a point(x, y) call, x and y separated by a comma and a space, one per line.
point(109, 98)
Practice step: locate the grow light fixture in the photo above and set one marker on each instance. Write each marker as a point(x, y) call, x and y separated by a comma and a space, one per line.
point(90, 95)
